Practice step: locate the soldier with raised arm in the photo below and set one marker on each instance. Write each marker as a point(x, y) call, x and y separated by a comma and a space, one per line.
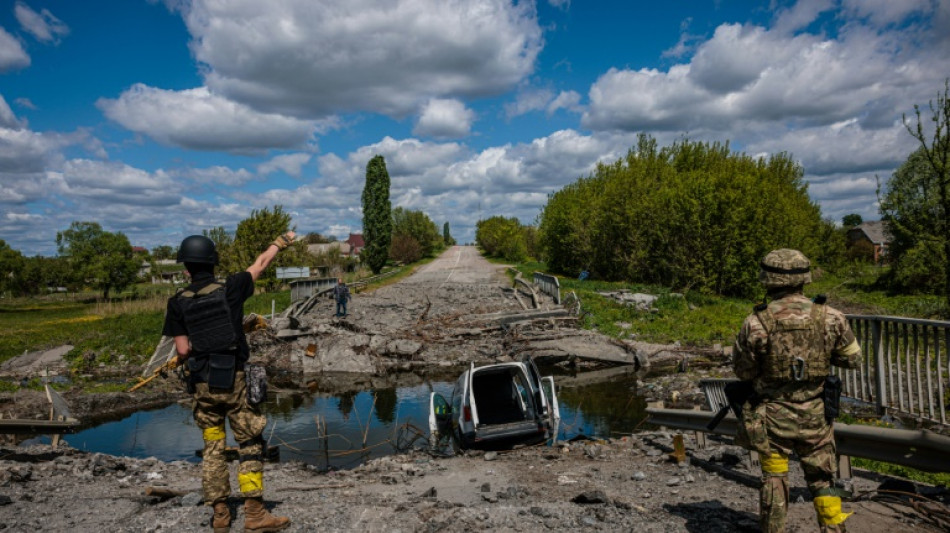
point(787, 348)
point(205, 320)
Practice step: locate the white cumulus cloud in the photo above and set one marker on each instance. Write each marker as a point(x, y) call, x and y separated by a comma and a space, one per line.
point(200, 120)
point(444, 119)
point(314, 59)
point(12, 54)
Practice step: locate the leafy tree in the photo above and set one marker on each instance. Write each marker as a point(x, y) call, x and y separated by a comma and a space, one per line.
point(224, 243)
point(377, 215)
point(405, 249)
point(691, 215)
point(98, 257)
point(316, 238)
point(420, 227)
point(11, 268)
point(163, 251)
point(255, 233)
point(911, 209)
point(39, 273)
point(922, 232)
point(852, 220)
point(502, 237)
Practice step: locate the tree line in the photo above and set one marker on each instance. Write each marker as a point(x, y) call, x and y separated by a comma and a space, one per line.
point(696, 215)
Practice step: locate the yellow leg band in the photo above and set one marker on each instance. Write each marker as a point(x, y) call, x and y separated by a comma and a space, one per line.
point(829, 510)
point(215, 433)
point(251, 481)
point(775, 463)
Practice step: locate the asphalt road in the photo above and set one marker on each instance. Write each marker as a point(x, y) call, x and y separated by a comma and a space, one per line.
point(458, 265)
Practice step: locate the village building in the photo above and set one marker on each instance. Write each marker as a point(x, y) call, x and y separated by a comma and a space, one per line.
point(873, 232)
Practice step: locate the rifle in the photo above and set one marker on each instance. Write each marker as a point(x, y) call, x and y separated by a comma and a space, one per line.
point(737, 394)
point(160, 371)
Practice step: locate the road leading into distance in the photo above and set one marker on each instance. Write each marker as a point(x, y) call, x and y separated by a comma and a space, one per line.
point(458, 265)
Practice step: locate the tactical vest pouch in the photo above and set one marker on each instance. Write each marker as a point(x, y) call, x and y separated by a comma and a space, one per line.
point(197, 372)
point(221, 370)
point(208, 318)
point(831, 397)
point(256, 378)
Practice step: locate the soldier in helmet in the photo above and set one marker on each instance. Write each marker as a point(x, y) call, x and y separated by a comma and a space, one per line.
point(786, 348)
point(205, 319)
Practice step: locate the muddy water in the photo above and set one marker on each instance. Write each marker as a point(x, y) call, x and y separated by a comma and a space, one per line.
point(360, 425)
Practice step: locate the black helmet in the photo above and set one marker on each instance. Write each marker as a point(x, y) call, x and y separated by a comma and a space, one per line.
point(197, 249)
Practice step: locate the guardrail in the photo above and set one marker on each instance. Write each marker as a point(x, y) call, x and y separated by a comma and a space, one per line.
point(919, 449)
point(302, 289)
point(905, 366)
point(549, 285)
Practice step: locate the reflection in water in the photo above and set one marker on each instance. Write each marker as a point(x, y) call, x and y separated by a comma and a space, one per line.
point(383, 418)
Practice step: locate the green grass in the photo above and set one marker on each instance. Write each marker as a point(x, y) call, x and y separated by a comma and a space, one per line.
point(856, 290)
point(702, 320)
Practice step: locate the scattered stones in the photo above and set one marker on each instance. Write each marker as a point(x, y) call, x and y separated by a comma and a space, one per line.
point(191, 499)
point(491, 456)
point(594, 496)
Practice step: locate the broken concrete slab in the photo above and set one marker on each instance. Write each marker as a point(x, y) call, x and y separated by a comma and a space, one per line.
point(37, 363)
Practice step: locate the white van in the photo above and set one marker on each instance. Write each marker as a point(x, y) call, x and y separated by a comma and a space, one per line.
point(497, 406)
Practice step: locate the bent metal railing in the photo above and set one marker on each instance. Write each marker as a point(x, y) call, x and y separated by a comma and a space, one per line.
point(905, 366)
point(549, 285)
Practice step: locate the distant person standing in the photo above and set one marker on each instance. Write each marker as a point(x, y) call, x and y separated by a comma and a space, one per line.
point(205, 319)
point(341, 293)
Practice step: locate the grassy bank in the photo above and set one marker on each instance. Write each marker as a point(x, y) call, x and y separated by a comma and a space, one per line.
point(698, 319)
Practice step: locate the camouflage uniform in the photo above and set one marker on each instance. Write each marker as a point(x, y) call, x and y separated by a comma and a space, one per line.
point(247, 423)
point(786, 348)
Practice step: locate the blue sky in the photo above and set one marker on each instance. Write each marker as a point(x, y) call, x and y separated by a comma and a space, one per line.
point(163, 118)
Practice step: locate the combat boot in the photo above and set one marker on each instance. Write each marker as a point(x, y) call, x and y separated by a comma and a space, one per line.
point(221, 519)
point(258, 520)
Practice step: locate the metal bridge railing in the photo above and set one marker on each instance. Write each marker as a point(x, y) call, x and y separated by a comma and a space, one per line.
point(905, 365)
point(549, 285)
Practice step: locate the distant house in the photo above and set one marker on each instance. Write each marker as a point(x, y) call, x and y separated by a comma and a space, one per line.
point(322, 248)
point(873, 232)
point(356, 243)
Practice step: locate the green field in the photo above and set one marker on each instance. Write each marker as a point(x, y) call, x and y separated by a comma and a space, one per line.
point(100, 332)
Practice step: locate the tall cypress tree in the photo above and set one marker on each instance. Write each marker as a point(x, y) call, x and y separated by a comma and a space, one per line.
point(377, 218)
point(446, 236)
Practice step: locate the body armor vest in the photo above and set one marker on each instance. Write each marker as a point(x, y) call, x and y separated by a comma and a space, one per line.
point(208, 319)
point(796, 346)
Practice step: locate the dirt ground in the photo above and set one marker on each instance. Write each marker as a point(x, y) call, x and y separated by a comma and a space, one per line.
point(629, 484)
point(451, 312)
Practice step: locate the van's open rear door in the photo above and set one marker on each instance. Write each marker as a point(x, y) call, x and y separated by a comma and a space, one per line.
point(547, 383)
point(471, 395)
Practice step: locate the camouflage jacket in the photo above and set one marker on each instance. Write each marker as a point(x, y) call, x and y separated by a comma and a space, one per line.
point(752, 348)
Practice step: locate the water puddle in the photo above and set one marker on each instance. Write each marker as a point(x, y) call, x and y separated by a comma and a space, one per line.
point(360, 425)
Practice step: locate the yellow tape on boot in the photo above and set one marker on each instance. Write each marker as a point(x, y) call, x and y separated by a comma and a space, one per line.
point(829, 510)
point(215, 433)
point(775, 463)
point(251, 481)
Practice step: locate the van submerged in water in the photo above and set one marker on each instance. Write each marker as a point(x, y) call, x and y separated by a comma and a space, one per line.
point(496, 406)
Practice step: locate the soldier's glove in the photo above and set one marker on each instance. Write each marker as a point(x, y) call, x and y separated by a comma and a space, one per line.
point(283, 241)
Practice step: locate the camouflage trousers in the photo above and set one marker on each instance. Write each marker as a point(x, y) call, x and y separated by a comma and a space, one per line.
point(247, 422)
point(800, 428)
